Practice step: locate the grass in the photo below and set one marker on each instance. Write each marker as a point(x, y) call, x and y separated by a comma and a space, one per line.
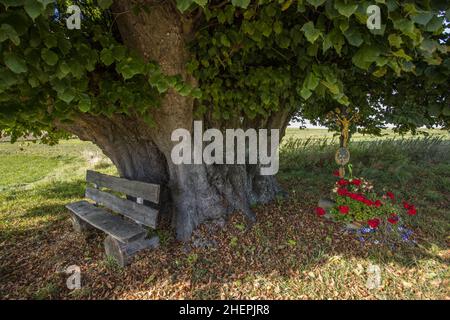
point(288, 254)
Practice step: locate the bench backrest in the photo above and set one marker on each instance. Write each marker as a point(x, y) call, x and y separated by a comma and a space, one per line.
point(136, 211)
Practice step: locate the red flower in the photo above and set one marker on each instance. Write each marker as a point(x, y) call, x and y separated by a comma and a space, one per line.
point(336, 173)
point(342, 192)
point(411, 208)
point(367, 202)
point(378, 203)
point(390, 195)
point(393, 219)
point(344, 209)
point(412, 211)
point(320, 211)
point(356, 182)
point(342, 182)
point(374, 223)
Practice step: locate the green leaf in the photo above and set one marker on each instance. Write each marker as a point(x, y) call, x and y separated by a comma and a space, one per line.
point(45, 3)
point(277, 27)
point(33, 8)
point(395, 40)
point(405, 26)
point(15, 64)
point(8, 32)
point(354, 37)
point(197, 93)
point(311, 81)
point(67, 95)
point(435, 24)
point(119, 52)
point(185, 90)
point(84, 103)
point(224, 40)
point(337, 39)
point(305, 93)
point(422, 18)
point(240, 3)
point(49, 56)
point(315, 3)
point(105, 4)
point(401, 54)
point(63, 70)
point(365, 56)
point(345, 8)
point(183, 5)
point(311, 33)
point(106, 56)
point(201, 3)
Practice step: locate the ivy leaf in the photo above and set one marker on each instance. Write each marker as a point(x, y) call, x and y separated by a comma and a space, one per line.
point(45, 3)
point(311, 81)
point(34, 9)
point(354, 37)
point(224, 40)
point(405, 26)
point(119, 52)
point(395, 40)
point(311, 32)
point(201, 3)
point(240, 3)
point(49, 56)
point(105, 4)
point(344, 8)
point(8, 32)
point(183, 5)
point(15, 64)
point(84, 103)
point(106, 57)
point(305, 93)
point(67, 95)
point(365, 56)
point(337, 39)
point(315, 3)
point(277, 27)
point(185, 90)
point(162, 86)
point(197, 93)
point(422, 17)
point(434, 25)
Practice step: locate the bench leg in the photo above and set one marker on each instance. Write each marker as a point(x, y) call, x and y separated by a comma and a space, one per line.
point(124, 252)
point(81, 226)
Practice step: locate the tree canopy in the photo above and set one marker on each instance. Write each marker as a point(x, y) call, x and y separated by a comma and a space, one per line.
point(249, 59)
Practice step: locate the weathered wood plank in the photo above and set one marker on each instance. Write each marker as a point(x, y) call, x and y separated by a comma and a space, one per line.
point(122, 230)
point(137, 189)
point(124, 252)
point(137, 212)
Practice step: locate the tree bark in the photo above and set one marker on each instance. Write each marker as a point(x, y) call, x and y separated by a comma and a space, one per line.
point(191, 194)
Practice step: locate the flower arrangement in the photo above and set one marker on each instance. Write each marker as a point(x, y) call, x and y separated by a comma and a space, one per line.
point(357, 204)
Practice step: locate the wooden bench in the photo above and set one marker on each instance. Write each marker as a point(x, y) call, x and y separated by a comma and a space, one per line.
point(126, 225)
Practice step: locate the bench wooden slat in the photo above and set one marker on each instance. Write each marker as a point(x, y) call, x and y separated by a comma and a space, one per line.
point(138, 189)
point(118, 228)
point(137, 212)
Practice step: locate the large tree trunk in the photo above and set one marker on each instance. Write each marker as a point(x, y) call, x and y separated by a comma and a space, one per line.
point(191, 194)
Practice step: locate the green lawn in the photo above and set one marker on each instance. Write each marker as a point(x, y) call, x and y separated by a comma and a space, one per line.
point(289, 253)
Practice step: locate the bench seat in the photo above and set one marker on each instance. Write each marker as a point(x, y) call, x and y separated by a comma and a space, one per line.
point(122, 230)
